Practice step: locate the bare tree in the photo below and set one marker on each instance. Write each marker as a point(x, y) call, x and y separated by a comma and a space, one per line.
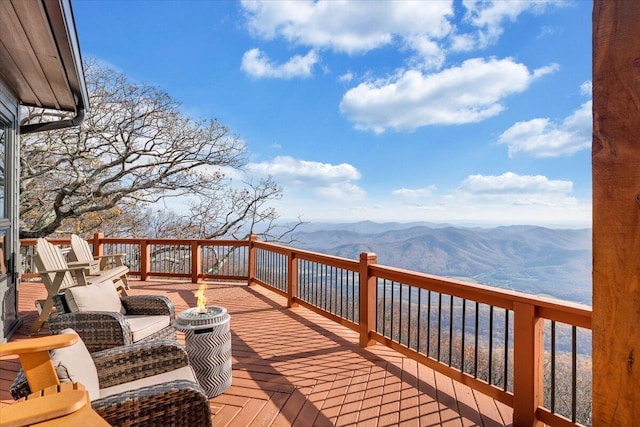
point(134, 149)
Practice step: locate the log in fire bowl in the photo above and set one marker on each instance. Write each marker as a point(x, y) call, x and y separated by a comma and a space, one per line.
point(208, 342)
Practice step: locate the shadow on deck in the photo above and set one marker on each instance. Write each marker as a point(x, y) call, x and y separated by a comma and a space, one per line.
point(295, 367)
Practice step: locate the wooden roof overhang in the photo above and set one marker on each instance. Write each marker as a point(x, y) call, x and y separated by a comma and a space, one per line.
point(40, 58)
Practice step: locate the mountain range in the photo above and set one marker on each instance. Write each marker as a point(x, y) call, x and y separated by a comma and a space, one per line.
point(532, 259)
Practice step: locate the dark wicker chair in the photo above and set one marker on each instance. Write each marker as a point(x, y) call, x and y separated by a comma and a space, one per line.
point(173, 403)
point(102, 329)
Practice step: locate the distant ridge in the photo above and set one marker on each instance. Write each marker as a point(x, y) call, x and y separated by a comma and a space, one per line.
point(537, 260)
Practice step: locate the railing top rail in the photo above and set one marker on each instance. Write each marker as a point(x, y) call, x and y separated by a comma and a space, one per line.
point(167, 241)
point(548, 308)
point(334, 261)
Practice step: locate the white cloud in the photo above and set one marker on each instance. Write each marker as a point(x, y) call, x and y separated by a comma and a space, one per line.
point(428, 53)
point(543, 71)
point(344, 26)
point(337, 182)
point(586, 88)
point(511, 183)
point(512, 190)
point(541, 137)
point(341, 191)
point(346, 77)
point(489, 16)
point(257, 64)
point(414, 194)
point(469, 93)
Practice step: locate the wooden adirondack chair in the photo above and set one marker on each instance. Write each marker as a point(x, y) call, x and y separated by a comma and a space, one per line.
point(81, 252)
point(58, 275)
point(52, 403)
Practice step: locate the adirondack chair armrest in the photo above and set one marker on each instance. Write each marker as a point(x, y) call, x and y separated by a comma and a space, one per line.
point(98, 329)
point(76, 264)
point(71, 268)
point(104, 259)
point(37, 345)
point(118, 255)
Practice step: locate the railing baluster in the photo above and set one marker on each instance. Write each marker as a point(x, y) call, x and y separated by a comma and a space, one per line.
point(553, 366)
point(384, 307)
point(450, 329)
point(393, 308)
point(419, 329)
point(439, 323)
point(477, 334)
point(574, 372)
point(506, 349)
point(489, 375)
point(428, 323)
point(409, 319)
point(464, 332)
point(353, 295)
point(400, 312)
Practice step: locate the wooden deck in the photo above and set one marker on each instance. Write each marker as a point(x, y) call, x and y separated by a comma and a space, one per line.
point(294, 367)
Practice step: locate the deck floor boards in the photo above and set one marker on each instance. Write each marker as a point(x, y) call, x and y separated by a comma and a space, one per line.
point(293, 367)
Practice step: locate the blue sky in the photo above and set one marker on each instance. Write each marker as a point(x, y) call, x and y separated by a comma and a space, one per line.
point(466, 112)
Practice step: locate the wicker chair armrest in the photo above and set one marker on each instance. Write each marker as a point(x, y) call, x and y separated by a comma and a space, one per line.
point(175, 403)
point(98, 329)
point(127, 363)
point(149, 305)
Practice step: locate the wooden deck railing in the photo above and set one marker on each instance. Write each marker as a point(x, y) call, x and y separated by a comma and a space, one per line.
point(530, 353)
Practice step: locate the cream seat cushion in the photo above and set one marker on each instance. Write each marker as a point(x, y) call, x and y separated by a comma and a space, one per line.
point(74, 363)
point(142, 325)
point(95, 297)
point(184, 373)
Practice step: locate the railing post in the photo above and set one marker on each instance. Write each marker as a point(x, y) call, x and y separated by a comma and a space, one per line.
point(367, 287)
point(528, 358)
point(196, 261)
point(98, 246)
point(292, 280)
point(145, 260)
point(251, 262)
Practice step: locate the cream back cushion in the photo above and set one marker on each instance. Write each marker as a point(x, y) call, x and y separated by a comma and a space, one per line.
point(97, 297)
point(74, 363)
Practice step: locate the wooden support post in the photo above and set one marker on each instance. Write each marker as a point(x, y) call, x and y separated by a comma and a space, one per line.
point(145, 260)
point(251, 262)
point(616, 212)
point(528, 357)
point(196, 261)
point(367, 287)
point(98, 246)
point(292, 279)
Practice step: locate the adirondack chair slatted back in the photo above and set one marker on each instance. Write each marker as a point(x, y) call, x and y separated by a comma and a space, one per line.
point(49, 258)
point(81, 249)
